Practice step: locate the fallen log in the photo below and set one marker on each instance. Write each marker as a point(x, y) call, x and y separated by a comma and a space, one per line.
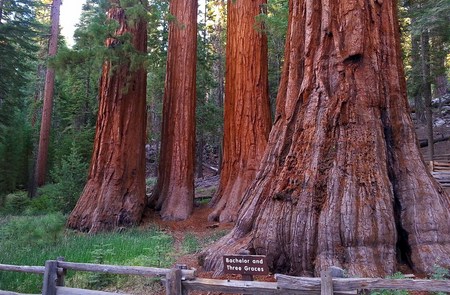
point(213, 169)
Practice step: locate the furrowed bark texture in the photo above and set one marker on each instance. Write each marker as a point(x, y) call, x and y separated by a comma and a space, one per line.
point(46, 123)
point(342, 181)
point(247, 119)
point(114, 195)
point(174, 193)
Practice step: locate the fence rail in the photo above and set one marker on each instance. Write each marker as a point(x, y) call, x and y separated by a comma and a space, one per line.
point(440, 169)
point(182, 281)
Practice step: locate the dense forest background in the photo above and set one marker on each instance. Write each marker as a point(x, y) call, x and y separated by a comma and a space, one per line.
point(24, 37)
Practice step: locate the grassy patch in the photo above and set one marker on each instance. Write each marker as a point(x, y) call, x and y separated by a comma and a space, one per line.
point(133, 247)
point(191, 244)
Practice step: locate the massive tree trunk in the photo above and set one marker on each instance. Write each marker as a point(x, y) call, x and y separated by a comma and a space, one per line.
point(174, 193)
point(247, 120)
point(342, 181)
point(114, 195)
point(44, 137)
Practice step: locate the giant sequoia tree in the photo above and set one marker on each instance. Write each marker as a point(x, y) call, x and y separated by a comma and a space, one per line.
point(246, 111)
point(342, 181)
point(174, 192)
point(115, 191)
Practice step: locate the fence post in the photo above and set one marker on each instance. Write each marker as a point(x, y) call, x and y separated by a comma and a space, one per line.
point(173, 282)
point(60, 281)
point(50, 277)
point(326, 283)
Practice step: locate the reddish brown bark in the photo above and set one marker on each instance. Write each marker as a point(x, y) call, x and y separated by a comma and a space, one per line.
point(44, 136)
point(114, 195)
point(342, 181)
point(247, 119)
point(174, 192)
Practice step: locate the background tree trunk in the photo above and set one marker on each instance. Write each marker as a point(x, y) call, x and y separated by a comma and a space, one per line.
point(342, 181)
point(44, 137)
point(200, 147)
point(1, 11)
point(439, 69)
point(218, 44)
point(416, 78)
point(247, 119)
point(174, 193)
point(115, 192)
point(426, 89)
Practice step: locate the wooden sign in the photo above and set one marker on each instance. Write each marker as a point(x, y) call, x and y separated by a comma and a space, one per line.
point(245, 264)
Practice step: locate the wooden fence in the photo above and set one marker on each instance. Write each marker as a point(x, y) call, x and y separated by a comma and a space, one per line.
point(182, 281)
point(440, 169)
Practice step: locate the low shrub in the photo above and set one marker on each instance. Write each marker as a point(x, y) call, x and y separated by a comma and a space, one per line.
point(16, 203)
point(100, 280)
point(69, 179)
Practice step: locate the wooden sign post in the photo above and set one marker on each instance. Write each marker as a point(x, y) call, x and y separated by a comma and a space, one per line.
point(245, 265)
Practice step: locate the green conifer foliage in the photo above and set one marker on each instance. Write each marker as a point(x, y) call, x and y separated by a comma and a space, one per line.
point(19, 31)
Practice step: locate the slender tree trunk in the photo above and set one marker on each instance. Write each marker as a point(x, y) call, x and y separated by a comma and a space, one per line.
point(1, 11)
point(38, 90)
point(174, 193)
point(201, 146)
point(426, 89)
point(114, 195)
point(247, 119)
point(416, 78)
point(219, 47)
point(439, 71)
point(342, 181)
point(85, 115)
point(441, 82)
point(44, 136)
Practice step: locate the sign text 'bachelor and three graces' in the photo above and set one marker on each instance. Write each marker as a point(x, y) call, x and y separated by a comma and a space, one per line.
point(245, 264)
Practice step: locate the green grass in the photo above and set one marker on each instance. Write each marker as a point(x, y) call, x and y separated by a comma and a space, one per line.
point(133, 247)
point(191, 244)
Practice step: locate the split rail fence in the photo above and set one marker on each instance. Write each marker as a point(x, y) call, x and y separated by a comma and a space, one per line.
point(181, 281)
